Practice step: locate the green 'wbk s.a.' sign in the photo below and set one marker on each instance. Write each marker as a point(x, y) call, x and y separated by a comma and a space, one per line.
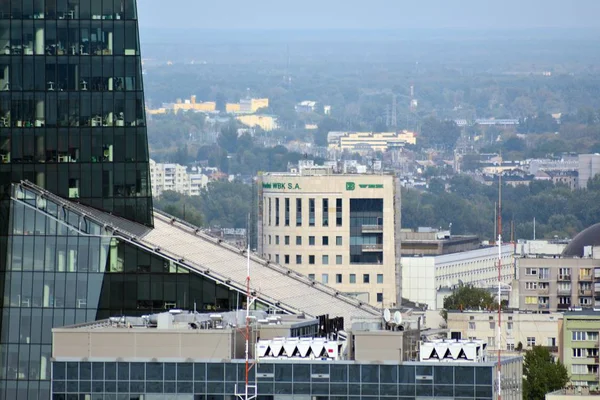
point(352, 186)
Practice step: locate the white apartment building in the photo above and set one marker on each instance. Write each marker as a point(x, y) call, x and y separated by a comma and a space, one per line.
point(339, 229)
point(428, 279)
point(175, 177)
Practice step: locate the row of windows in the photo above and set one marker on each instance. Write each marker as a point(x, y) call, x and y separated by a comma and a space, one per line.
point(311, 240)
point(278, 372)
point(272, 214)
point(366, 278)
point(311, 259)
point(63, 110)
point(75, 38)
point(64, 146)
point(68, 9)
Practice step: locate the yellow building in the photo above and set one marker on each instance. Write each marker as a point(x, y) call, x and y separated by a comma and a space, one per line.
point(156, 111)
point(187, 105)
point(373, 141)
point(247, 106)
point(266, 122)
point(232, 108)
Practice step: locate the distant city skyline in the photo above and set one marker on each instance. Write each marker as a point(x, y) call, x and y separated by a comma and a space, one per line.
point(375, 14)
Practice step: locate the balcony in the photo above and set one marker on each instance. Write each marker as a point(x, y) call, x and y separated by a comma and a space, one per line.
point(543, 290)
point(585, 292)
point(563, 291)
point(372, 229)
point(563, 306)
point(544, 277)
point(585, 278)
point(372, 247)
point(564, 278)
point(544, 306)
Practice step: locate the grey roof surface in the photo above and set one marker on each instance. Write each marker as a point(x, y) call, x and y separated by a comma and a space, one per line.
point(587, 237)
point(192, 248)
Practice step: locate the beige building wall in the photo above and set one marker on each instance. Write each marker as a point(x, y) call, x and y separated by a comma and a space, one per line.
point(330, 262)
point(551, 284)
point(380, 346)
point(526, 328)
point(147, 343)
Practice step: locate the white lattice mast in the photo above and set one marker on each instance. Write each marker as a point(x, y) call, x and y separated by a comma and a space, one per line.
point(499, 326)
point(250, 391)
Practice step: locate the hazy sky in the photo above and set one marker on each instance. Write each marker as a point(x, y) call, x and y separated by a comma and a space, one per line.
point(368, 14)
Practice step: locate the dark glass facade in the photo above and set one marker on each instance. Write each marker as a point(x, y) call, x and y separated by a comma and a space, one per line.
point(65, 268)
point(366, 231)
point(72, 116)
point(319, 380)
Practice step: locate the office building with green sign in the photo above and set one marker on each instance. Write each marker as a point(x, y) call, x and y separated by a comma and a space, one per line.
point(339, 229)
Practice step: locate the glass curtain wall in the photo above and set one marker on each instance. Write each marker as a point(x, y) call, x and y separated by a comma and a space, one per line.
point(64, 268)
point(72, 116)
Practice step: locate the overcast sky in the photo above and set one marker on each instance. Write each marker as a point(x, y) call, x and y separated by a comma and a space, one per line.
point(368, 14)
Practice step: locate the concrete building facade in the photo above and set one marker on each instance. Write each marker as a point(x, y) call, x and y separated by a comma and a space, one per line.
point(579, 344)
point(557, 283)
point(339, 229)
point(519, 329)
point(176, 178)
point(373, 141)
point(589, 166)
point(429, 279)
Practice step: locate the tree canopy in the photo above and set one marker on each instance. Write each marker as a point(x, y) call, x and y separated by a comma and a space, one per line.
point(541, 374)
point(468, 297)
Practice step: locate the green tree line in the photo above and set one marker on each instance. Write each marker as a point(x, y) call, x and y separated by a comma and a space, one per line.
point(470, 206)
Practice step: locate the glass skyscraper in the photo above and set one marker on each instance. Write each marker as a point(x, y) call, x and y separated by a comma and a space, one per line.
point(72, 121)
point(71, 103)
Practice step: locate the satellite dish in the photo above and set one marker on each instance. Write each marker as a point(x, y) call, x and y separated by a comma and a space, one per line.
point(387, 315)
point(397, 318)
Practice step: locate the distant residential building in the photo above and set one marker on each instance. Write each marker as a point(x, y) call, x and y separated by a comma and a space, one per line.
point(568, 178)
point(175, 177)
point(265, 122)
point(589, 166)
point(327, 109)
point(579, 347)
point(564, 164)
point(494, 122)
point(185, 105)
point(247, 106)
point(370, 141)
point(306, 106)
point(525, 328)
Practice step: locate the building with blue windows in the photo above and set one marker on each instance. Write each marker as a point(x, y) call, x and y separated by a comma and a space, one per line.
point(127, 358)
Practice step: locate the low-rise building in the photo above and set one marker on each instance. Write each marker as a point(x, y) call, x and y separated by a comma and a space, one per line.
point(370, 141)
point(520, 330)
point(194, 356)
point(266, 122)
point(433, 266)
point(580, 340)
point(247, 106)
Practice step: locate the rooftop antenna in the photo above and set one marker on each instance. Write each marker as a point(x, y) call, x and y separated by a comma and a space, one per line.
point(394, 112)
point(499, 326)
point(250, 391)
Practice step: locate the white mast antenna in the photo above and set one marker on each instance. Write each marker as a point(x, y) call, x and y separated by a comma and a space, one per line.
point(250, 391)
